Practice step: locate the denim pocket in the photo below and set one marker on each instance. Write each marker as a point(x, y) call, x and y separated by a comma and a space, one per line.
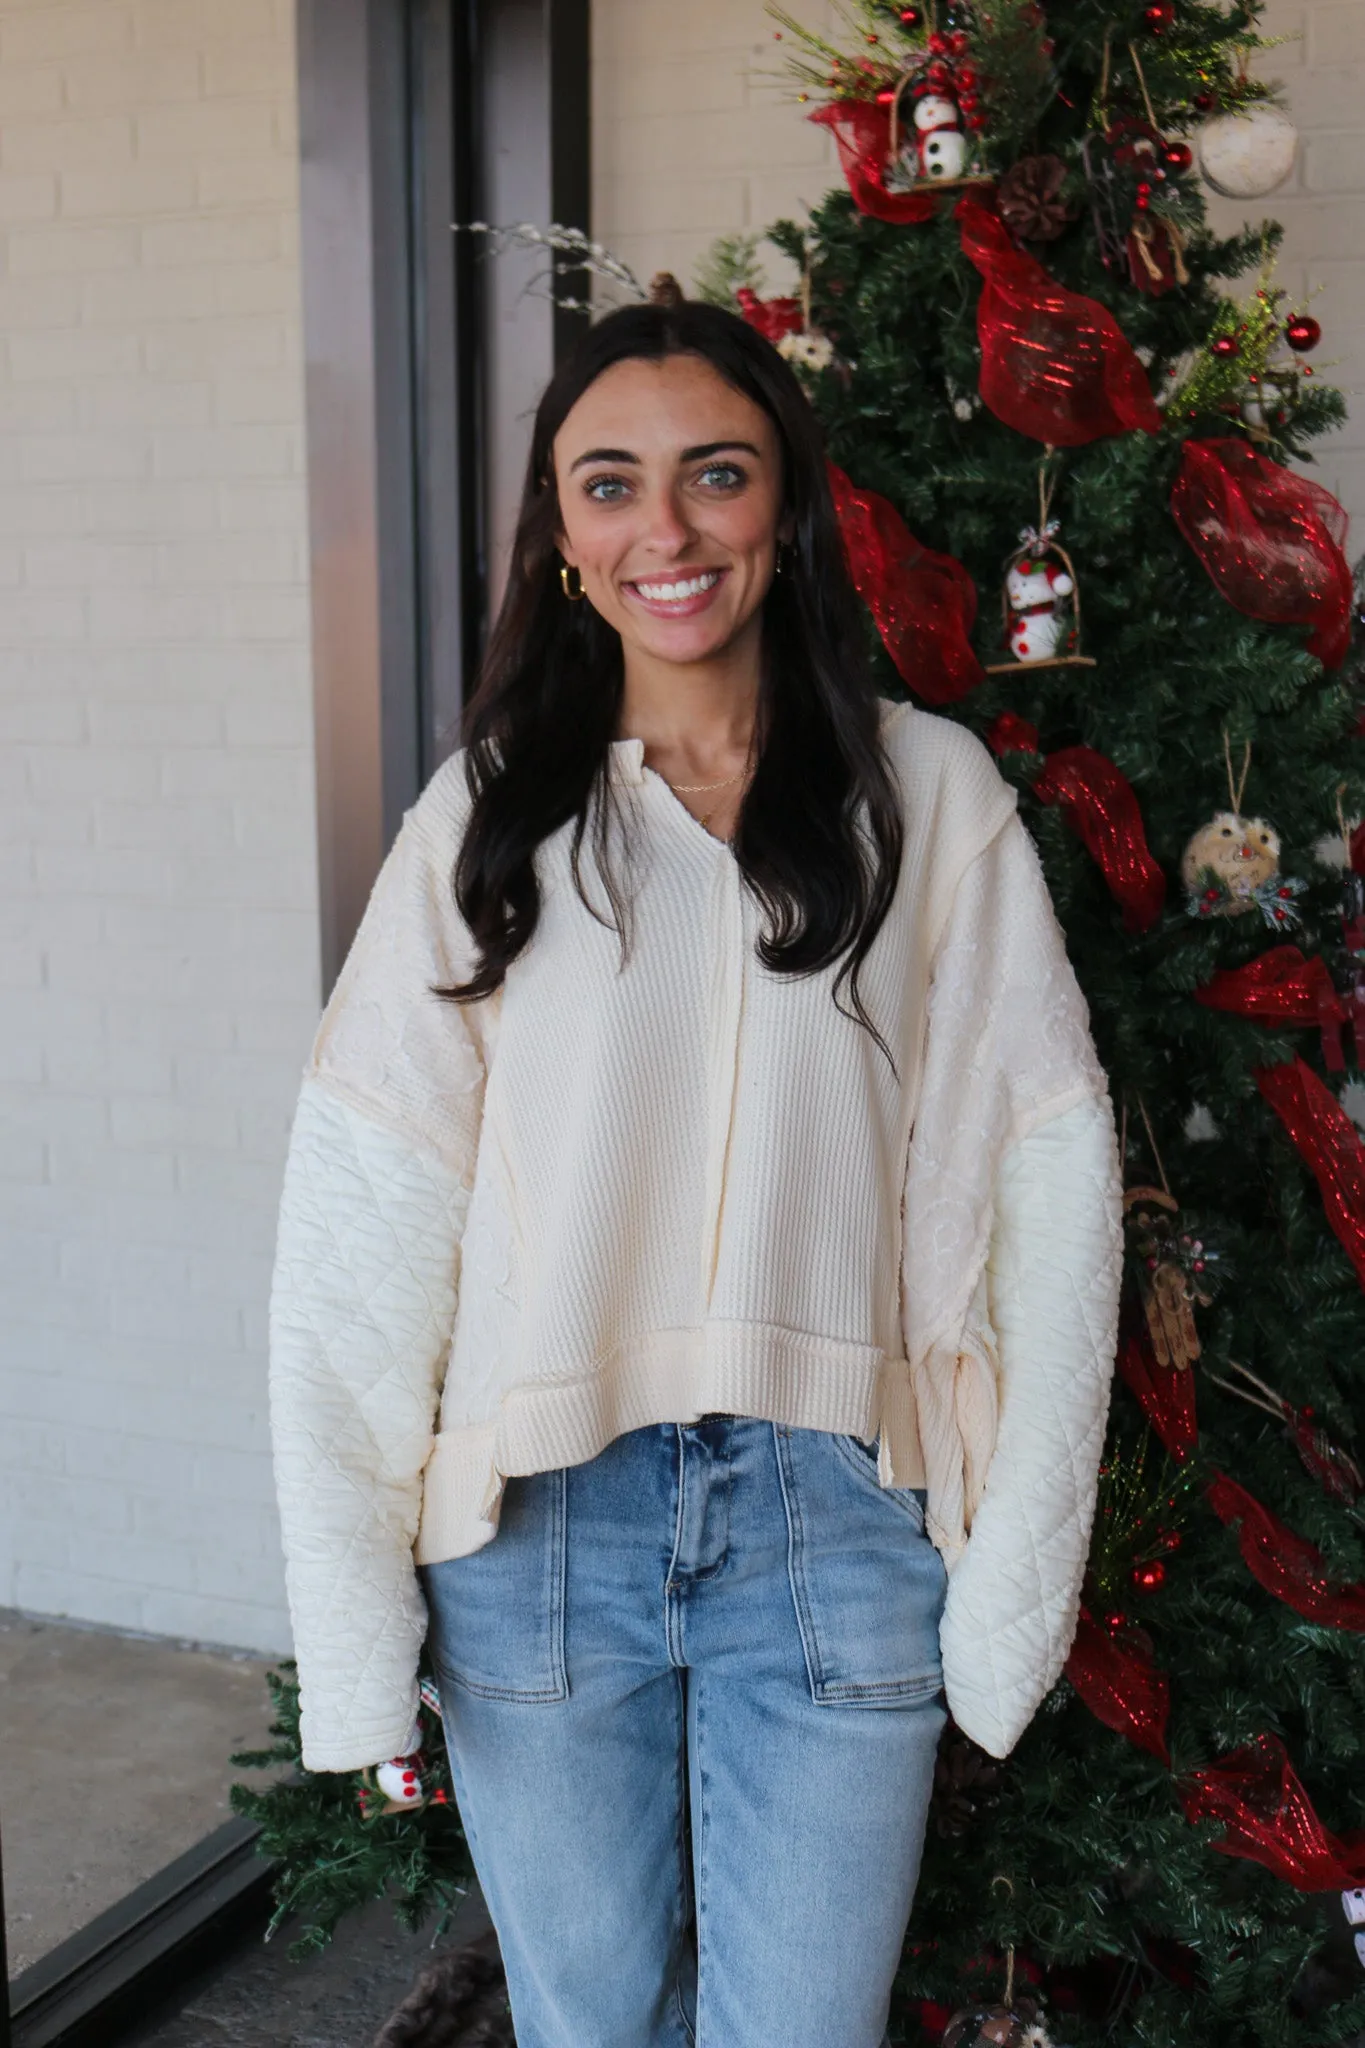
point(867, 1583)
point(496, 1617)
point(863, 1459)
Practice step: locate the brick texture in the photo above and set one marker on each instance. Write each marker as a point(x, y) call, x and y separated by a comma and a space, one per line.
point(1323, 213)
point(158, 914)
point(695, 135)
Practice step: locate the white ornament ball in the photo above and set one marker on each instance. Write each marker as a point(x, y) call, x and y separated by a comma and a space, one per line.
point(400, 1781)
point(1246, 155)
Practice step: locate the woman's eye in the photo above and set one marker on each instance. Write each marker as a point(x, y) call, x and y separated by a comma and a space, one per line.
point(606, 490)
point(721, 476)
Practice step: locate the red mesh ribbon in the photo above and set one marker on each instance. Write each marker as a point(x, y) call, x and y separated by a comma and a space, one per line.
point(1287, 1565)
point(1271, 541)
point(772, 317)
point(924, 603)
point(1099, 805)
point(1281, 987)
point(862, 131)
point(1115, 1676)
point(1167, 1395)
point(1328, 1143)
point(1269, 1819)
point(1054, 365)
point(1011, 734)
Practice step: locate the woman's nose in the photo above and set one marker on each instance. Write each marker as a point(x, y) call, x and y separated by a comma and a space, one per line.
point(667, 529)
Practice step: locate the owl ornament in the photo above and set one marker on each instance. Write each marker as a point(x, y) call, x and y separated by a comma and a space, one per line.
point(1232, 867)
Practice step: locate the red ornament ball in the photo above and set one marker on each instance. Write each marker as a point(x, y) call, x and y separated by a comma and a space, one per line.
point(1158, 17)
point(938, 45)
point(1177, 156)
point(1225, 345)
point(885, 96)
point(1149, 1578)
point(911, 17)
point(1303, 333)
point(1204, 102)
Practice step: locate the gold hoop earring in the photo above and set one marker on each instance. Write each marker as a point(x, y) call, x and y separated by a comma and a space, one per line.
point(567, 569)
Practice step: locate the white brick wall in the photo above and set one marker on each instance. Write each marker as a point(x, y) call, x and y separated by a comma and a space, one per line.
point(1323, 210)
point(694, 132)
point(694, 138)
point(159, 965)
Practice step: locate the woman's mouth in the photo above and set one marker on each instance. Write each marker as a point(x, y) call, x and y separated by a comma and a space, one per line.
point(676, 597)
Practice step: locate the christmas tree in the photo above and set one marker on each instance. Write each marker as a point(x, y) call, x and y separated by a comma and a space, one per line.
point(1062, 416)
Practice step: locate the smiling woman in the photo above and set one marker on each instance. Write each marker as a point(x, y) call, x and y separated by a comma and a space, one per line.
point(676, 541)
point(675, 467)
point(688, 1212)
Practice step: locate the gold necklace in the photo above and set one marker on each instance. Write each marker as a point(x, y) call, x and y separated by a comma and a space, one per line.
point(695, 788)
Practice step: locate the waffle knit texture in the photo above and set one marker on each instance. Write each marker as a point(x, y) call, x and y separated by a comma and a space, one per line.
point(614, 1195)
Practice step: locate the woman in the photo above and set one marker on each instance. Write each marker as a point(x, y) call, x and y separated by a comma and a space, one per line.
point(701, 1211)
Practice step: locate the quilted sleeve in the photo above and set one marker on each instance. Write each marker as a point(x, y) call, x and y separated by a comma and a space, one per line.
point(363, 1303)
point(1052, 1284)
point(1007, 1051)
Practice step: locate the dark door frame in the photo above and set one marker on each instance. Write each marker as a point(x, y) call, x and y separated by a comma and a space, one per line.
point(416, 114)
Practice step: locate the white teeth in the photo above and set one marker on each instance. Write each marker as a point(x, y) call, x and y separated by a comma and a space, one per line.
point(674, 593)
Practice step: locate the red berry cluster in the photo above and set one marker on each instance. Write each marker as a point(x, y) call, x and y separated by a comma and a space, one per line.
point(947, 73)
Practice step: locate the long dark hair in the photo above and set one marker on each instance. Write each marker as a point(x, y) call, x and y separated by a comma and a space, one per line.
point(819, 834)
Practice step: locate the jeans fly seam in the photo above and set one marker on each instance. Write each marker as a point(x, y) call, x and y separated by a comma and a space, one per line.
point(672, 1612)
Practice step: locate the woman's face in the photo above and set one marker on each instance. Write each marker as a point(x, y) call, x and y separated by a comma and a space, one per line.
point(670, 505)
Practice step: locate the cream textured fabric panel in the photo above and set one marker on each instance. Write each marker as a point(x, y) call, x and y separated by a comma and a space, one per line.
point(1052, 1284)
point(362, 1307)
point(1008, 1048)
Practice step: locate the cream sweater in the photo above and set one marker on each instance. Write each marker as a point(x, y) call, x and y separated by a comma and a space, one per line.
point(604, 1198)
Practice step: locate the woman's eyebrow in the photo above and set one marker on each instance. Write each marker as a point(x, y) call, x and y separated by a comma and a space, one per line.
point(603, 455)
point(715, 448)
point(697, 454)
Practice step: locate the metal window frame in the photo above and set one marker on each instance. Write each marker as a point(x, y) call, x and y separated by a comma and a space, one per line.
point(107, 1974)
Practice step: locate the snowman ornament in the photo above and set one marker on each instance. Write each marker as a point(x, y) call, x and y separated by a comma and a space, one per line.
point(1036, 590)
point(941, 146)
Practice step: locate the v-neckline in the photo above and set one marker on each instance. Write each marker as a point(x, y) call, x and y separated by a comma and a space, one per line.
point(630, 760)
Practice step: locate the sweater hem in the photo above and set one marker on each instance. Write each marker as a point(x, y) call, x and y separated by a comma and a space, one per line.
point(756, 1370)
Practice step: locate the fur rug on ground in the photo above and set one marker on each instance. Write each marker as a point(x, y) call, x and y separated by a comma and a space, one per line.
point(459, 2001)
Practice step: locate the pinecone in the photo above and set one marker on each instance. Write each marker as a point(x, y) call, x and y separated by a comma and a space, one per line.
point(1029, 196)
point(664, 289)
point(459, 2001)
point(965, 1781)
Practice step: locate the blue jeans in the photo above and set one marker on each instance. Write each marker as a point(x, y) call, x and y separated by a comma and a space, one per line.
point(728, 1624)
